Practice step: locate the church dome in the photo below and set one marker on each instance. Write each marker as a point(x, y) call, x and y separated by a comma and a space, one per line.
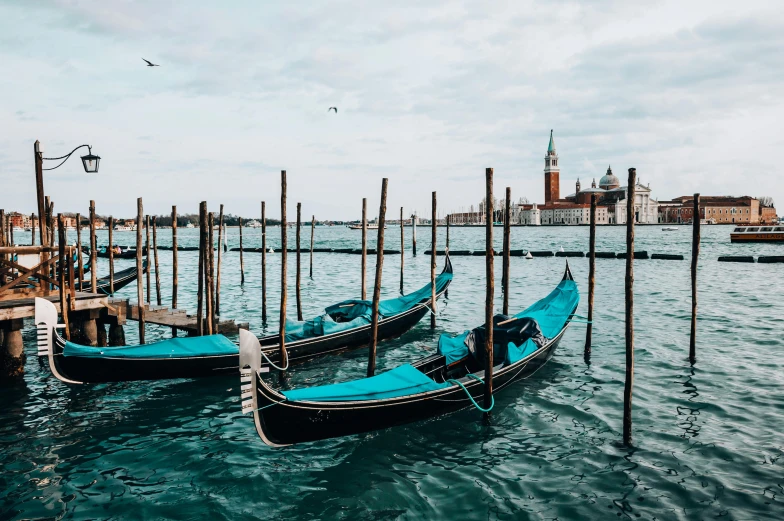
point(609, 181)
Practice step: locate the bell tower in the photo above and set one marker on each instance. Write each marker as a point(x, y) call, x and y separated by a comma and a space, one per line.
point(552, 173)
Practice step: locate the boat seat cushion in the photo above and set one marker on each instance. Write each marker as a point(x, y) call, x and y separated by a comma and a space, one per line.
point(400, 381)
point(186, 347)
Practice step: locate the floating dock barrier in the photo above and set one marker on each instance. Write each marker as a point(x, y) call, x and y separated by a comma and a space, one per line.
point(569, 254)
point(605, 255)
point(766, 259)
point(666, 256)
point(637, 255)
point(736, 258)
point(541, 253)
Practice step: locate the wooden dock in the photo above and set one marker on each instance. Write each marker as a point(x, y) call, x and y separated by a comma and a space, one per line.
point(25, 307)
point(179, 319)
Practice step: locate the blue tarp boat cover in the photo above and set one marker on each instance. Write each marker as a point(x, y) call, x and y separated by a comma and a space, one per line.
point(351, 314)
point(187, 347)
point(400, 381)
point(550, 314)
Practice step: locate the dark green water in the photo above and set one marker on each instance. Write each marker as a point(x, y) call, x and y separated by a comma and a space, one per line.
point(707, 439)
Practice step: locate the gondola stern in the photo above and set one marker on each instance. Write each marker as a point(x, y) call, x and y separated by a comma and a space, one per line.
point(567, 272)
point(447, 262)
point(46, 326)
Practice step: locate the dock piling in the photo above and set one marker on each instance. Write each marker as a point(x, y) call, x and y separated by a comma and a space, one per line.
point(591, 280)
point(79, 247)
point(210, 271)
point(264, 261)
point(364, 248)
point(155, 259)
point(284, 359)
point(147, 252)
point(627, 390)
point(299, 263)
point(63, 265)
point(175, 282)
point(200, 287)
point(489, 293)
point(695, 254)
point(218, 270)
point(110, 249)
point(413, 233)
point(242, 260)
point(93, 250)
point(402, 250)
point(312, 235)
point(382, 210)
point(507, 246)
point(433, 255)
point(139, 284)
point(32, 230)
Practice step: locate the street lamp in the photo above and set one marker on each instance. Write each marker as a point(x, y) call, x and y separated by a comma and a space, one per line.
point(89, 162)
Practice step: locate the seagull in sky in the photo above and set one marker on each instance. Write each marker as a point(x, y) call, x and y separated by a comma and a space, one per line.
point(151, 64)
point(333, 108)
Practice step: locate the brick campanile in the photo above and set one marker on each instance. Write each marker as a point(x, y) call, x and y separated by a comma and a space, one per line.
point(552, 173)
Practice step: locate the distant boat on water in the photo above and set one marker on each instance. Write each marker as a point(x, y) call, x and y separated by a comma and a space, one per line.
point(369, 226)
point(125, 228)
point(669, 229)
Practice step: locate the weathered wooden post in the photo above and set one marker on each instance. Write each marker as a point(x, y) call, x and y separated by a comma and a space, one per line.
point(364, 248)
point(51, 224)
point(507, 246)
point(312, 235)
point(299, 274)
point(382, 210)
point(695, 254)
point(155, 258)
point(591, 279)
point(413, 233)
point(32, 231)
point(139, 284)
point(79, 246)
point(65, 260)
point(490, 294)
point(110, 249)
point(627, 390)
point(402, 250)
point(264, 261)
point(433, 227)
point(218, 273)
point(93, 250)
point(242, 261)
point(209, 270)
point(200, 289)
point(174, 263)
point(284, 360)
point(39, 188)
point(149, 264)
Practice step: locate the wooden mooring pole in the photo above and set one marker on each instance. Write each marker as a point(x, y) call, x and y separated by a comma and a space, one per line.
point(283, 245)
point(209, 272)
point(175, 282)
point(147, 252)
point(139, 284)
point(218, 269)
point(312, 236)
point(110, 249)
point(65, 261)
point(627, 390)
point(299, 263)
point(490, 293)
point(263, 261)
point(93, 250)
point(200, 288)
point(591, 280)
point(382, 210)
point(413, 233)
point(507, 246)
point(433, 236)
point(155, 259)
point(402, 250)
point(242, 260)
point(79, 246)
point(32, 230)
point(364, 249)
point(695, 255)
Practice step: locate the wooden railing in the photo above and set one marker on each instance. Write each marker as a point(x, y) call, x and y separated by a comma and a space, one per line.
point(19, 279)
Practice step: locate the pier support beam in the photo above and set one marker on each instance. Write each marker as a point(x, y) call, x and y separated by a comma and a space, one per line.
point(12, 357)
point(116, 333)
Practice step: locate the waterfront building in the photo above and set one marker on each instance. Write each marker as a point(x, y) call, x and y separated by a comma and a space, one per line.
point(718, 209)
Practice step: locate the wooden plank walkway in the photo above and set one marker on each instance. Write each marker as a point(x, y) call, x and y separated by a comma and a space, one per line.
point(176, 318)
point(25, 307)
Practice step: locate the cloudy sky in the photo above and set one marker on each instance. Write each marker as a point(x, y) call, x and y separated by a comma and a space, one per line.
point(429, 94)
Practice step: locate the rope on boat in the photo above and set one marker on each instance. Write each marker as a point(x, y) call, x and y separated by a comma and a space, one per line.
point(273, 365)
point(492, 398)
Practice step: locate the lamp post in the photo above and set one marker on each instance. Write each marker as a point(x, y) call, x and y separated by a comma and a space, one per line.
point(89, 162)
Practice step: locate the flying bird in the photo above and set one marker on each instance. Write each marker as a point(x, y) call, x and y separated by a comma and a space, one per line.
point(151, 64)
point(333, 108)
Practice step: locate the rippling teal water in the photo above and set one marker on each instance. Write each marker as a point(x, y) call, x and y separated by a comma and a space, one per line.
point(707, 439)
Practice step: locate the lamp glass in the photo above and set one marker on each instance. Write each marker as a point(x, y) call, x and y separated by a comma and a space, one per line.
point(90, 163)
